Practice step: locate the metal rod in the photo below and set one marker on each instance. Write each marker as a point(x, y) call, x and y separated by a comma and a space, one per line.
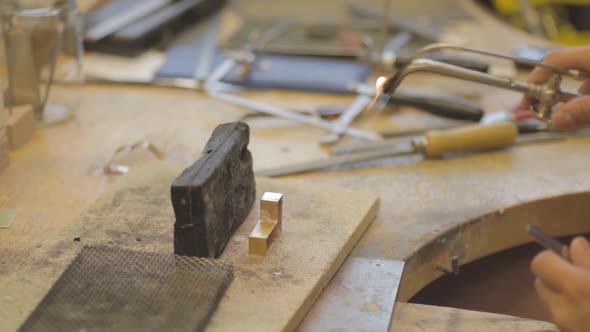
point(340, 160)
point(356, 108)
point(345, 119)
point(546, 241)
point(287, 114)
point(388, 57)
point(366, 146)
point(455, 265)
point(441, 68)
point(219, 73)
point(437, 47)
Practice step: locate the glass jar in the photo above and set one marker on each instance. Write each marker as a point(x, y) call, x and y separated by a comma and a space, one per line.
point(43, 44)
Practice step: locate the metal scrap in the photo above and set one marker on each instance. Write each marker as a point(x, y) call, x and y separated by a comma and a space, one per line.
point(112, 167)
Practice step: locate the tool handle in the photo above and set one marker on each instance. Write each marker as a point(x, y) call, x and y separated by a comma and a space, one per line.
point(445, 106)
point(468, 138)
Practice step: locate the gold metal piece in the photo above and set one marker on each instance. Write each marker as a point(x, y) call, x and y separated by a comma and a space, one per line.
point(269, 226)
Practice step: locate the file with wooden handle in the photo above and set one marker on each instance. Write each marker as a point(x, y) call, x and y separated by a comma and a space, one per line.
point(476, 137)
point(434, 144)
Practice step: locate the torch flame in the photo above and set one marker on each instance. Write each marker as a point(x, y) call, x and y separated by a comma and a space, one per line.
point(379, 83)
point(375, 104)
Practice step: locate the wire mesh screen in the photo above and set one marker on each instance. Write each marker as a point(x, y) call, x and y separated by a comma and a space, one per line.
point(122, 290)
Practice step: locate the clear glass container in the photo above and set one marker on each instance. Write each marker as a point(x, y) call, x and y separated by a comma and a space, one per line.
point(44, 53)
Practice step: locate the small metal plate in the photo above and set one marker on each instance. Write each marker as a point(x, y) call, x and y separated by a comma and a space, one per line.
point(360, 297)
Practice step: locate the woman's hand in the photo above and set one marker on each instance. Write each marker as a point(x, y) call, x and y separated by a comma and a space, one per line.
point(564, 287)
point(576, 112)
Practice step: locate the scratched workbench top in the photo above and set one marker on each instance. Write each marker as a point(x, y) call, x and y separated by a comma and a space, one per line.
point(430, 210)
point(59, 173)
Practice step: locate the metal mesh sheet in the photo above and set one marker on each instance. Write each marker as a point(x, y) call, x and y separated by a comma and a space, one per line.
point(122, 290)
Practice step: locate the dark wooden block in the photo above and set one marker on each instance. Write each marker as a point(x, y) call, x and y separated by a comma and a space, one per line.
point(213, 196)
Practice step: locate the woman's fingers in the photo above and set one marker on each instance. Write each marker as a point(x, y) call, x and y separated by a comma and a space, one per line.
point(565, 58)
point(573, 114)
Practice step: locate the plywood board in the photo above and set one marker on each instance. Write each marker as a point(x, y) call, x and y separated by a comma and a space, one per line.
point(272, 293)
point(418, 318)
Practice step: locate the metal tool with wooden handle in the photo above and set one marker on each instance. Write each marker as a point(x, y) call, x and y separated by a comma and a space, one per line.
point(433, 144)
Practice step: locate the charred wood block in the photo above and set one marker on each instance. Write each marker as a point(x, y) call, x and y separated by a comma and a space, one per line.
point(213, 196)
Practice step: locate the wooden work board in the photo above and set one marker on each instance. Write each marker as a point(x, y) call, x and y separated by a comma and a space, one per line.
point(271, 293)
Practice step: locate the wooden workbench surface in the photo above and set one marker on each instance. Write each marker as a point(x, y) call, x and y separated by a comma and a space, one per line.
point(469, 206)
point(58, 174)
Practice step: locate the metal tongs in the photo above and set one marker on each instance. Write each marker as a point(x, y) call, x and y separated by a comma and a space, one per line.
point(544, 96)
